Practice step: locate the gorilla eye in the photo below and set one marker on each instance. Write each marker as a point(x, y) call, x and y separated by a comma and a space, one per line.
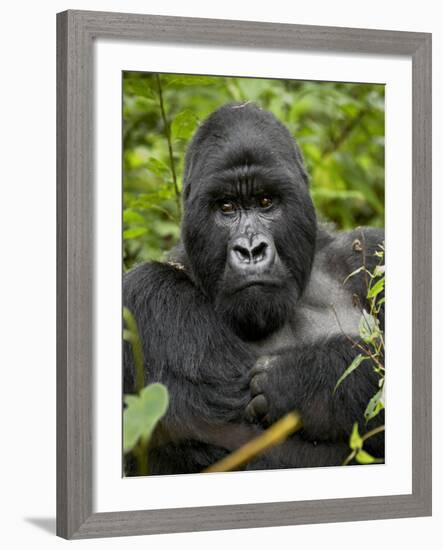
point(227, 207)
point(265, 201)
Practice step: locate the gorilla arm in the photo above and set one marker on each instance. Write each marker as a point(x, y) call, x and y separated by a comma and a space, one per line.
point(304, 378)
point(187, 348)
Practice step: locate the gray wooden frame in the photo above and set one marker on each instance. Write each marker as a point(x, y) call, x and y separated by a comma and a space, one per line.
point(76, 32)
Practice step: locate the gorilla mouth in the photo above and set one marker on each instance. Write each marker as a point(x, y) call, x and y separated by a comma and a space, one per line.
point(264, 283)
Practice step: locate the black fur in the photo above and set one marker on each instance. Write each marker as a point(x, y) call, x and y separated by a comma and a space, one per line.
point(245, 331)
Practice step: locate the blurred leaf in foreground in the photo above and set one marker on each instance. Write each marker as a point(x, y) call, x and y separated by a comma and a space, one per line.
point(143, 413)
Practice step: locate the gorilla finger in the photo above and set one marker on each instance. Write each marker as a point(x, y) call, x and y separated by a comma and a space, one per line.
point(258, 407)
point(264, 361)
point(262, 365)
point(257, 383)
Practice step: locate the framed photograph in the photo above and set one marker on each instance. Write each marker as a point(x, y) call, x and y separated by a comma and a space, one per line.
point(238, 205)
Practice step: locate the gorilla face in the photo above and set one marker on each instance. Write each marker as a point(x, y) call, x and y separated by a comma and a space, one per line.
point(249, 225)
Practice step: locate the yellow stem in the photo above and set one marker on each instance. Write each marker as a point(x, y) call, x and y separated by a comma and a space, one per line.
point(274, 435)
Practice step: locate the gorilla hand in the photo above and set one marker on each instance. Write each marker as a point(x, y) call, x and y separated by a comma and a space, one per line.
point(270, 395)
point(304, 378)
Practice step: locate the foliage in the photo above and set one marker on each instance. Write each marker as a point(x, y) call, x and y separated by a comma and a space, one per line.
point(339, 127)
point(356, 442)
point(142, 414)
point(372, 350)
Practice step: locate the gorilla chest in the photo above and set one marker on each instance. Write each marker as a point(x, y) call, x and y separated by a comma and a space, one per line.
point(277, 341)
point(315, 323)
point(325, 311)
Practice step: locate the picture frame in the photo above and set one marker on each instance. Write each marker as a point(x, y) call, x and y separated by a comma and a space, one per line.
point(76, 33)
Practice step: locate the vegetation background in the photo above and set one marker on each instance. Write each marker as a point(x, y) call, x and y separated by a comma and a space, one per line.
point(338, 126)
point(340, 130)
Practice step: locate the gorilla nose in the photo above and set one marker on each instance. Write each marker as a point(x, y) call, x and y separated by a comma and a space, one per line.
point(251, 254)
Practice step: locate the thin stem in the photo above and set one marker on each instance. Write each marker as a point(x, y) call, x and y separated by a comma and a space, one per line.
point(141, 454)
point(375, 431)
point(365, 270)
point(349, 458)
point(353, 342)
point(167, 133)
point(130, 334)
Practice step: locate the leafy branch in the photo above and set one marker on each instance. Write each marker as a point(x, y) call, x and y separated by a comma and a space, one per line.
point(167, 134)
point(356, 443)
point(371, 345)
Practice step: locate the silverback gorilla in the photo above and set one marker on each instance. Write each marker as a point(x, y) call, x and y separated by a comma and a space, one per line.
point(251, 317)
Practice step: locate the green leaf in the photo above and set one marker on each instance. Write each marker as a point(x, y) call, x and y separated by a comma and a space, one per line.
point(355, 363)
point(157, 167)
point(364, 458)
point(129, 399)
point(164, 229)
point(377, 288)
point(368, 328)
point(382, 397)
point(375, 405)
point(179, 81)
point(355, 441)
point(183, 125)
point(127, 335)
point(134, 232)
point(137, 157)
point(337, 194)
point(139, 85)
point(379, 270)
point(143, 413)
point(131, 216)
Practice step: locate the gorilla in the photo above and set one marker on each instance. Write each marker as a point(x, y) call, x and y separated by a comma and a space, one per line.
point(254, 314)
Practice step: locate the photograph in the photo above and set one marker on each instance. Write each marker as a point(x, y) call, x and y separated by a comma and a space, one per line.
point(253, 261)
point(236, 200)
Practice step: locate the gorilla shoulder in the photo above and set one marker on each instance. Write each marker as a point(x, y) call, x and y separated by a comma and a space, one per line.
point(150, 278)
point(341, 253)
point(332, 301)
